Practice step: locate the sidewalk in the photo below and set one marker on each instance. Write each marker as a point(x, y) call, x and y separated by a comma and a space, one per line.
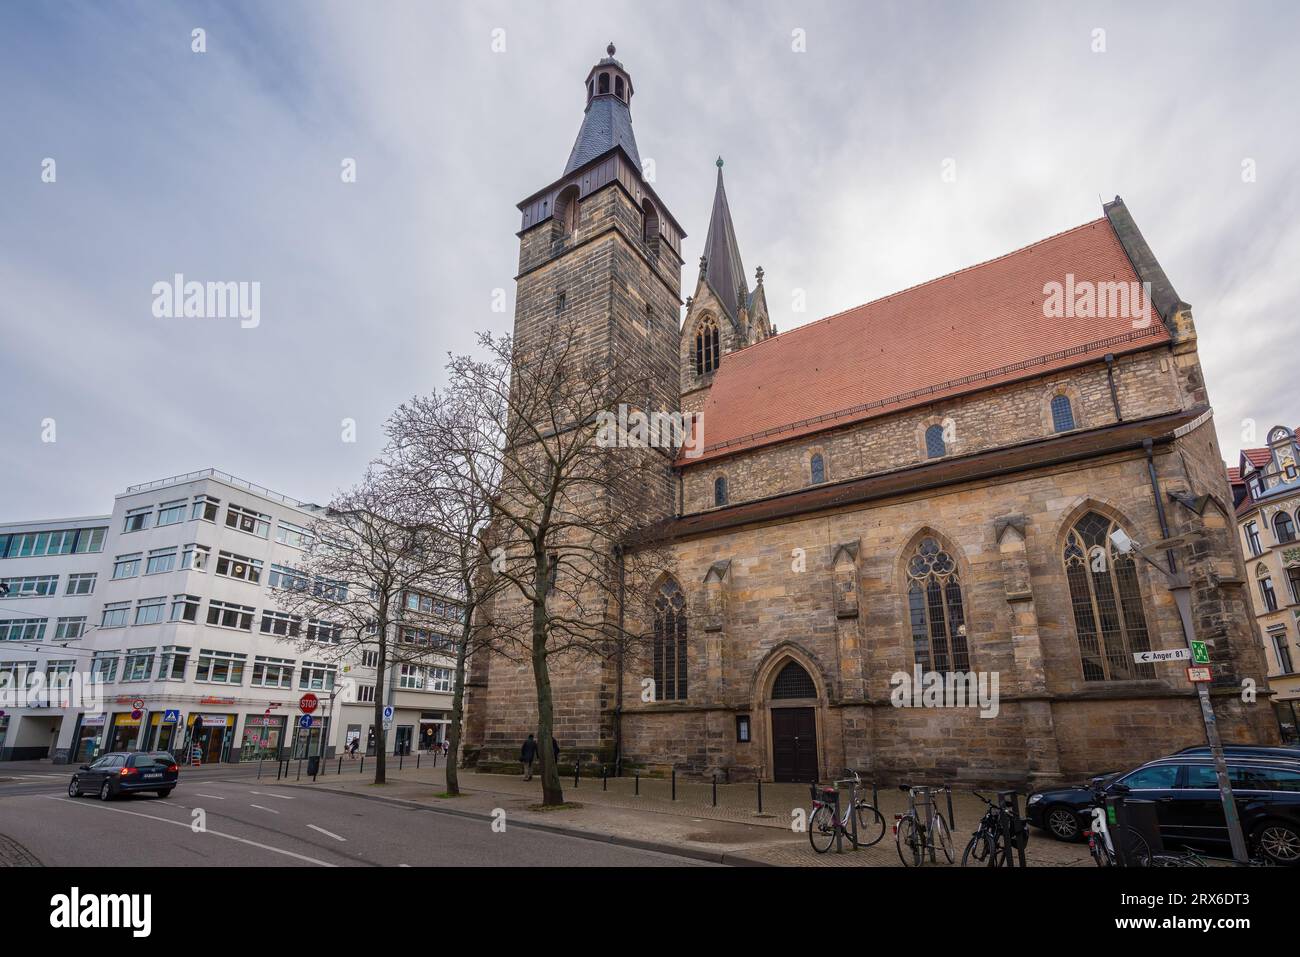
point(731, 833)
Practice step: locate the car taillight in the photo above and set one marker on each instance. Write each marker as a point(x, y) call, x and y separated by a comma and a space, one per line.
point(127, 772)
point(173, 767)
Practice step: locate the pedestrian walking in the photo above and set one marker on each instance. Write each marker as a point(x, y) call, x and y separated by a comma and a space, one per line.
point(528, 754)
point(353, 745)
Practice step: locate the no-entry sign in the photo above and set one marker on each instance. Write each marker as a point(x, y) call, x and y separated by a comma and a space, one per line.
point(307, 703)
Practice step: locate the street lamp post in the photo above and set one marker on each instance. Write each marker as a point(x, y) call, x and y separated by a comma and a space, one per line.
point(1181, 588)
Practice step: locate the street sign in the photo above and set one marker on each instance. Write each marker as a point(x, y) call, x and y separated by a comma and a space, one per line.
point(307, 703)
point(135, 715)
point(137, 704)
point(388, 712)
point(304, 721)
point(1198, 674)
point(172, 716)
point(388, 726)
point(1147, 657)
point(1200, 653)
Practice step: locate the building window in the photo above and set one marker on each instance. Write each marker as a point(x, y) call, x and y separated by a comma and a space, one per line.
point(1107, 602)
point(170, 513)
point(150, 611)
point(316, 676)
point(32, 586)
point(67, 541)
point(104, 666)
point(707, 352)
point(411, 677)
point(720, 490)
point(137, 519)
point(160, 560)
point(205, 507)
point(1283, 528)
point(1293, 579)
point(225, 615)
point(1062, 414)
point(295, 536)
point(742, 729)
point(281, 624)
point(58, 674)
point(114, 615)
point(324, 631)
point(245, 569)
point(127, 566)
point(185, 608)
point(22, 629)
point(366, 693)
point(70, 628)
point(817, 468)
point(220, 667)
point(272, 672)
point(440, 680)
point(172, 662)
point(138, 664)
point(936, 610)
point(935, 448)
point(670, 643)
point(1266, 587)
point(1281, 652)
point(282, 576)
point(370, 659)
point(793, 682)
point(247, 520)
point(195, 557)
point(82, 583)
point(1252, 538)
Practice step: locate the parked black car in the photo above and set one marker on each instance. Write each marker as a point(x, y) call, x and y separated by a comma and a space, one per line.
point(1245, 751)
point(121, 772)
point(1185, 791)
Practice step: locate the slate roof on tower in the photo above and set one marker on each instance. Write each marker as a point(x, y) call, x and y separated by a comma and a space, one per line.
point(607, 122)
point(970, 330)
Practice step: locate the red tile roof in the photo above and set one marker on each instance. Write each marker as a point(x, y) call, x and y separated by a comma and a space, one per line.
point(1234, 476)
point(972, 329)
point(1260, 458)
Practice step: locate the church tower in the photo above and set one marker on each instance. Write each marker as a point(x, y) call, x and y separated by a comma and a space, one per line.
point(723, 315)
point(599, 249)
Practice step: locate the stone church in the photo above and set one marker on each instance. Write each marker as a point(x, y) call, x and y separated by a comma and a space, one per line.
point(926, 483)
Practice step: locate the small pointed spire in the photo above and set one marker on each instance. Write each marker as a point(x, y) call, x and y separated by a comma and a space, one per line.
point(724, 271)
point(758, 275)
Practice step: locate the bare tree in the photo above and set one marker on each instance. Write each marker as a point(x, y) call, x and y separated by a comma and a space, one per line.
point(368, 549)
point(569, 483)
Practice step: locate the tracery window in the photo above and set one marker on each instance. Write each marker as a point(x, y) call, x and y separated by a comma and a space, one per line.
point(936, 610)
point(670, 643)
point(1107, 602)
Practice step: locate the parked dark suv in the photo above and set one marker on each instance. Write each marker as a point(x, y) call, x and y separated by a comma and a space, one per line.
point(1185, 791)
point(121, 772)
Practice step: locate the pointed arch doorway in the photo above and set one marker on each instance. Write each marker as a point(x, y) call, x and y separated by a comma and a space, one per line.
point(793, 712)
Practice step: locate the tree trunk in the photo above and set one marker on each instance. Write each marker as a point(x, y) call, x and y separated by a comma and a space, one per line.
point(457, 709)
point(381, 766)
point(552, 793)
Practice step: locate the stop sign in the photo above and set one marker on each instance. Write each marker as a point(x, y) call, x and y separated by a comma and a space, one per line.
point(307, 703)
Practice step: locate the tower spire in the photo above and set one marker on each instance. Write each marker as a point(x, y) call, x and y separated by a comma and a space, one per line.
point(608, 119)
point(721, 266)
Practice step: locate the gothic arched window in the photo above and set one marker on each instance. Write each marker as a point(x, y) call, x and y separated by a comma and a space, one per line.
point(566, 209)
point(1283, 527)
point(1062, 414)
point(670, 643)
point(934, 604)
point(817, 468)
point(793, 682)
point(720, 490)
point(1107, 602)
point(649, 222)
point(706, 346)
point(935, 447)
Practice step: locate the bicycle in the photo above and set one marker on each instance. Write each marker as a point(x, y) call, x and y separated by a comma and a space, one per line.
point(1102, 847)
point(988, 845)
point(824, 825)
point(921, 836)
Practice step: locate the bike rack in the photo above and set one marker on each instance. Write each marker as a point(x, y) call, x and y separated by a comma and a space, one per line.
point(1012, 826)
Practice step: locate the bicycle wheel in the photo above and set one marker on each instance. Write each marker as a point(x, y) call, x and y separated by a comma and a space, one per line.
point(821, 829)
point(1139, 851)
point(871, 826)
point(908, 839)
point(981, 851)
point(943, 839)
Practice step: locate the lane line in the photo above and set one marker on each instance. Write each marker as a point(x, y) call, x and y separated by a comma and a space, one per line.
point(326, 833)
point(267, 794)
point(228, 837)
point(215, 797)
point(260, 808)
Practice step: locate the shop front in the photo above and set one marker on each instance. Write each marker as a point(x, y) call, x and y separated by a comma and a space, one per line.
point(162, 735)
point(123, 732)
point(263, 737)
point(209, 737)
point(433, 730)
point(1288, 720)
point(89, 733)
point(308, 741)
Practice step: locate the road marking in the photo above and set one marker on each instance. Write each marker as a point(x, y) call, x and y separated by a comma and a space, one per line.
point(164, 820)
point(260, 808)
point(215, 797)
point(172, 804)
point(326, 833)
point(268, 794)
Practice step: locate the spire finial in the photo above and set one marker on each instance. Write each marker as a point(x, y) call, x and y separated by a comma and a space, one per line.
point(610, 49)
point(719, 162)
point(758, 275)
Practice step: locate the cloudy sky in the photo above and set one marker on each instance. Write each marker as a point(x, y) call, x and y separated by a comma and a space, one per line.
point(225, 165)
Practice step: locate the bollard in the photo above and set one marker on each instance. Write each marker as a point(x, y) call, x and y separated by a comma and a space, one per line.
point(715, 788)
point(638, 783)
point(259, 769)
point(299, 777)
point(604, 778)
point(674, 782)
point(577, 770)
point(362, 769)
point(400, 758)
point(435, 759)
point(760, 795)
point(277, 769)
point(340, 770)
point(952, 824)
point(417, 760)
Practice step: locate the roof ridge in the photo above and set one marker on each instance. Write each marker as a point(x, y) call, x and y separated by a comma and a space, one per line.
point(921, 285)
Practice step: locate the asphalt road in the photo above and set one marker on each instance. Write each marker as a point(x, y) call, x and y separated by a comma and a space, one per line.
point(251, 823)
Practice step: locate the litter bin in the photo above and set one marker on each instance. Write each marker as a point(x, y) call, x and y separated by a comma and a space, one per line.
point(313, 765)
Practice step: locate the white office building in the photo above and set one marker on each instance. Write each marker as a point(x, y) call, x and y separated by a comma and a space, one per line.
point(171, 600)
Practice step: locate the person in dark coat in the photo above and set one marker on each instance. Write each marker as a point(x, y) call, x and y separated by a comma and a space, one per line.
point(527, 755)
point(555, 748)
